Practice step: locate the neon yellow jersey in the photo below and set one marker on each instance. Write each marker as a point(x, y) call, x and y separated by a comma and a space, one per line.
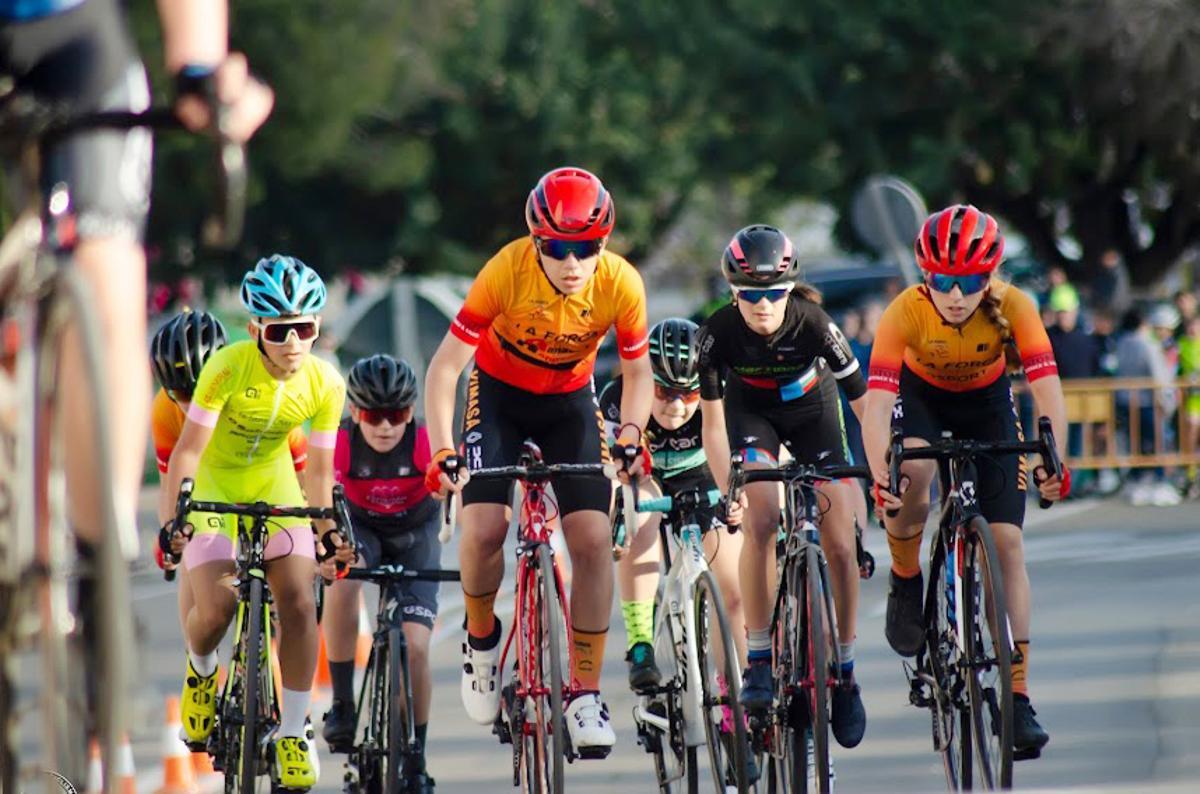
point(252, 413)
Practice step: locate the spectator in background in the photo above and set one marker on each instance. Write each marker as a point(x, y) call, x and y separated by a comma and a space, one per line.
point(1110, 286)
point(1139, 355)
point(1077, 356)
point(1104, 326)
point(1164, 319)
point(1189, 369)
point(1186, 304)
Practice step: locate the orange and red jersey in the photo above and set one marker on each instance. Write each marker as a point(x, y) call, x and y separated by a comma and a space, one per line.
point(534, 337)
point(166, 425)
point(956, 358)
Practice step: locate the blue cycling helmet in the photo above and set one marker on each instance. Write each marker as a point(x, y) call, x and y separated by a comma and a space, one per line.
point(282, 286)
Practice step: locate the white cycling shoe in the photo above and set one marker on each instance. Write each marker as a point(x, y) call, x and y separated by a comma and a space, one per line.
point(588, 727)
point(481, 683)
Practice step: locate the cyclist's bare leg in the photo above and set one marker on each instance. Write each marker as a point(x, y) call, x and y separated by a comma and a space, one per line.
point(213, 602)
point(759, 530)
point(291, 581)
point(340, 618)
point(723, 552)
point(185, 597)
point(838, 543)
point(910, 520)
point(637, 571)
point(589, 541)
point(481, 548)
point(1011, 548)
point(115, 270)
point(418, 636)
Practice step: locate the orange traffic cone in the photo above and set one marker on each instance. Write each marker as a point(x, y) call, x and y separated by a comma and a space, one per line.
point(321, 677)
point(126, 775)
point(362, 650)
point(202, 766)
point(95, 775)
point(176, 761)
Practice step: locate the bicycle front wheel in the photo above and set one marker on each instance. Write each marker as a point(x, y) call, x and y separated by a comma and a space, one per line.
point(988, 662)
point(949, 710)
point(819, 647)
point(545, 742)
point(724, 723)
point(247, 763)
point(400, 723)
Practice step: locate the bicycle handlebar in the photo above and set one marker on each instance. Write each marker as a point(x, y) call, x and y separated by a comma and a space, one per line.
point(391, 573)
point(693, 497)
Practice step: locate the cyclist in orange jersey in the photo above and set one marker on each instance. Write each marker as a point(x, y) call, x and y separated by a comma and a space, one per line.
point(939, 363)
point(534, 319)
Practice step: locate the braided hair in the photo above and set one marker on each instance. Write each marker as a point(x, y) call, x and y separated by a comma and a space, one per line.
point(990, 306)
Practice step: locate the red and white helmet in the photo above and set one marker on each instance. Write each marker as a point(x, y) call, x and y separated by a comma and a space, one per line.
point(960, 240)
point(570, 204)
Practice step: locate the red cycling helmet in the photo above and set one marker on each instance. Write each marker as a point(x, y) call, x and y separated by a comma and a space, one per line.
point(960, 240)
point(570, 204)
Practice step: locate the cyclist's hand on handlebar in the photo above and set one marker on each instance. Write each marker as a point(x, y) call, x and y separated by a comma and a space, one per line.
point(247, 100)
point(438, 481)
point(884, 498)
point(174, 541)
point(631, 455)
point(343, 555)
point(734, 511)
point(1051, 487)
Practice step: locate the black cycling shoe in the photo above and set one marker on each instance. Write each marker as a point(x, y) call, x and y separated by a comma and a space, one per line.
point(421, 783)
point(1029, 737)
point(758, 687)
point(849, 720)
point(643, 672)
point(341, 721)
point(905, 627)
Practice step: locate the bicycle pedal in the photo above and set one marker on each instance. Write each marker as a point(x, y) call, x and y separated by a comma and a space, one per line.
point(1027, 755)
point(196, 747)
point(592, 753)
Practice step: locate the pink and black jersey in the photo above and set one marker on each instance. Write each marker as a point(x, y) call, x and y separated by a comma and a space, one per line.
point(386, 491)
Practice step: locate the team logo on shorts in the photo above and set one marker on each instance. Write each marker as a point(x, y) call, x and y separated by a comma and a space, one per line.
point(898, 410)
point(473, 437)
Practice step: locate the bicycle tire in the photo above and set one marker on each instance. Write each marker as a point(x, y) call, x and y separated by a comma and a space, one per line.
point(988, 647)
point(708, 605)
point(367, 755)
point(819, 629)
point(400, 722)
point(247, 763)
point(552, 648)
point(950, 725)
point(786, 751)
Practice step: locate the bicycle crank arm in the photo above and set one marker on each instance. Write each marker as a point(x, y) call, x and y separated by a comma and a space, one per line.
point(642, 716)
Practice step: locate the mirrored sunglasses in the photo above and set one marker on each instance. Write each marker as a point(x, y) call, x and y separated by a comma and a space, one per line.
point(941, 282)
point(667, 394)
point(278, 333)
point(375, 416)
point(561, 249)
point(774, 295)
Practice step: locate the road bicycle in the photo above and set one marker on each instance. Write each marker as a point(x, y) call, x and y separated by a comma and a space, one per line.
point(804, 634)
point(76, 645)
point(381, 762)
point(697, 703)
point(963, 673)
point(248, 705)
point(531, 704)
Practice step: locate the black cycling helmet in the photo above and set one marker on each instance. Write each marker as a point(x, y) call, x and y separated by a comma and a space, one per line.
point(674, 356)
point(181, 346)
point(381, 381)
point(759, 256)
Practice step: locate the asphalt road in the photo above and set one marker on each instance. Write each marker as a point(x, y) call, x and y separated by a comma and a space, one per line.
point(1115, 673)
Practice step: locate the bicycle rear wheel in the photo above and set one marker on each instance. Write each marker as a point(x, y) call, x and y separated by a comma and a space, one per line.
point(815, 652)
point(545, 743)
point(949, 711)
point(989, 660)
point(728, 748)
point(400, 723)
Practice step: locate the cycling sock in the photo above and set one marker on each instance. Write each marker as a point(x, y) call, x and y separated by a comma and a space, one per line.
point(906, 555)
point(204, 665)
point(419, 733)
point(639, 621)
point(846, 651)
point(488, 641)
point(1019, 685)
point(758, 645)
point(481, 617)
point(293, 708)
point(589, 655)
point(342, 676)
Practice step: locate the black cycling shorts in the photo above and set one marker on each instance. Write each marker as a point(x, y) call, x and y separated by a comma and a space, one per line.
point(85, 58)
point(813, 433)
point(568, 427)
point(417, 548)
point(698, 477)
point(986, 414)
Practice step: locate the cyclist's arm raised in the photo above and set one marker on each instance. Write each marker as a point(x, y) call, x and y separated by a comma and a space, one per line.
point(195, 45)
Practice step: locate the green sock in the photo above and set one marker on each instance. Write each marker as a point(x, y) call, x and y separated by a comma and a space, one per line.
point(639, 621)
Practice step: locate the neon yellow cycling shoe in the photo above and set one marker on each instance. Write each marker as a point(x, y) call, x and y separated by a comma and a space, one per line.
point(198, 705)
point(294, 767)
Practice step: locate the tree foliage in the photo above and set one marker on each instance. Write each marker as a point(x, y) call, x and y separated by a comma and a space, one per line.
point(409, 131)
